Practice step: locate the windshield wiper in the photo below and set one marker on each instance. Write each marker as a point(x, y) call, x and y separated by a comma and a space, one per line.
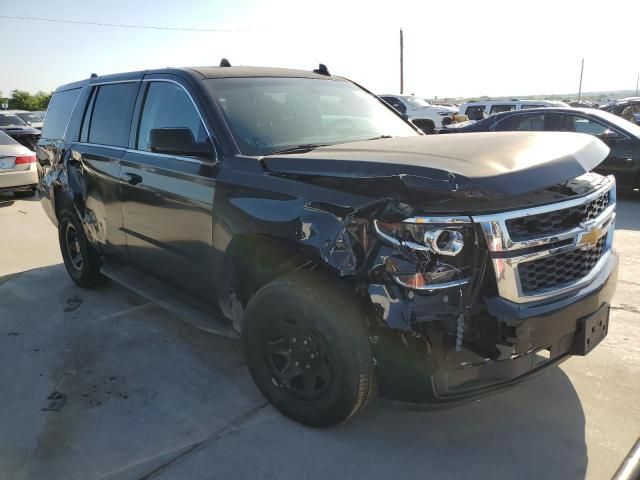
point(298, 149)
point(379, 137)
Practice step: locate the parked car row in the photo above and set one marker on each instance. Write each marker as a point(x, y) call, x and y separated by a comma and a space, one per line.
point(19, 134)
point(18, 129)
point(18, 171)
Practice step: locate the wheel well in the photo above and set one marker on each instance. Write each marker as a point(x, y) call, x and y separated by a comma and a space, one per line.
point(253, 261)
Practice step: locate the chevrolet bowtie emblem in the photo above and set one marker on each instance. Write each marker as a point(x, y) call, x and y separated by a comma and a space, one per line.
point(590, 238)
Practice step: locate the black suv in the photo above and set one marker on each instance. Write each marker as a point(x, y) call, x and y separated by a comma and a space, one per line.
point(351, 254)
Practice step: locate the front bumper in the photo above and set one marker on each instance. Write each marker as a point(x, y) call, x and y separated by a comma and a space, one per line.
point(15, 180)
point(410, 378)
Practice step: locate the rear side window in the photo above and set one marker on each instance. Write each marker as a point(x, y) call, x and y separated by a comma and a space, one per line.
point(526, 106)
point(58, 113)
point(111, 117)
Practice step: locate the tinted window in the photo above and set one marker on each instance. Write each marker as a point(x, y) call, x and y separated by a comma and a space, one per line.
point(9, 120)
point(578, 124)
point(502, 108)
point(58, 113)
point(395, 103)
point(525, 107)
point(475, 112)
point(111, 116)
point(534, 123)
point(167, 105)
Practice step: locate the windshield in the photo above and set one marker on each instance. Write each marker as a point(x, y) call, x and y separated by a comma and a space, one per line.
point(416, 102)
point(29, 117)
point(619, 122)
point(7, 120)
point(271, 114)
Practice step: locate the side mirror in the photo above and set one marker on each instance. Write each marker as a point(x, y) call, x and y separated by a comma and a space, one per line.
point(609, 135)
point(177, 141)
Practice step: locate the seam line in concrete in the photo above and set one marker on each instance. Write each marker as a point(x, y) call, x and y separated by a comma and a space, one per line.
point(232, 427)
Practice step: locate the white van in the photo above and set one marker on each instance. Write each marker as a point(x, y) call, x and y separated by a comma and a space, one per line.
point(481, 109)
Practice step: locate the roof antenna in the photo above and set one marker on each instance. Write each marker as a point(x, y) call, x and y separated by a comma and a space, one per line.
point(224, 63)
point(322, 70)
point(94, 75)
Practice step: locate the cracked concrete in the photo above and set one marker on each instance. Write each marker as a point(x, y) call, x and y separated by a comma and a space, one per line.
point(151, 397)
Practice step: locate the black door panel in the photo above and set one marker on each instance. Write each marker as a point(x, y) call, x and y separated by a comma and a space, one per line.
point(99, 170)
point(167, 206)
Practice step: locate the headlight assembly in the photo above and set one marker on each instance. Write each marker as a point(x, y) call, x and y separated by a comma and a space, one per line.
point(434, 249)
point(440, 236)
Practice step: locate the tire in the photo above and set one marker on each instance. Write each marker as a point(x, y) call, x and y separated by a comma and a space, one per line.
point(25, 193)
point(308, 318)
point(80, 259)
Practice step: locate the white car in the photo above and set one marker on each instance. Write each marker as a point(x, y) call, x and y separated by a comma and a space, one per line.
point(417, 109)
point(482, 109)
point(30, 118)
point(18, 171)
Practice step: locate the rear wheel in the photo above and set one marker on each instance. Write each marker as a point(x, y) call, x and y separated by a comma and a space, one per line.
point(307, 347)
point(80, 259)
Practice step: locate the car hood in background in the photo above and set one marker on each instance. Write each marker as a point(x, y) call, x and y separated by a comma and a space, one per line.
point(486, 165)
point(20, 130)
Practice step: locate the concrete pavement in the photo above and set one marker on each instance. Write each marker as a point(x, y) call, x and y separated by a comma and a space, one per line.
point(148, 396)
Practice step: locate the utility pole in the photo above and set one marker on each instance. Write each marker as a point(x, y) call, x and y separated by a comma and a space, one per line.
point(580, 87)
point(401, 63)
point(637, 83)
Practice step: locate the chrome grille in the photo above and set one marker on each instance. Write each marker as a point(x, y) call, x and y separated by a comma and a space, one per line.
point(551, 223)
point(558, 270)
point(540, 252)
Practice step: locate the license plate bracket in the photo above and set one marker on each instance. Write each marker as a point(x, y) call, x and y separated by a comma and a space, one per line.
point(591, 330)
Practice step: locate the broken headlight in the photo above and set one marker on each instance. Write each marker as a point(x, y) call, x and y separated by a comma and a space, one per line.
point(433, 254)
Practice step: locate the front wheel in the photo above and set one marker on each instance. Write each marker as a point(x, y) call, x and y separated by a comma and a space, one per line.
point(306, 344)
point(80, 259)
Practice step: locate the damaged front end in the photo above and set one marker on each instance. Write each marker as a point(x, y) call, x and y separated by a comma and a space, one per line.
point(446, 325)
point(484, 260)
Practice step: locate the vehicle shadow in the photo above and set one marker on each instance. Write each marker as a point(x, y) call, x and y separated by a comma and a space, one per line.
point(535, 430)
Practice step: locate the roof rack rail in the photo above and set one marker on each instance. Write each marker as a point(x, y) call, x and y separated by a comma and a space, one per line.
point(225, 63)
point(93, 75)
point(322, 70)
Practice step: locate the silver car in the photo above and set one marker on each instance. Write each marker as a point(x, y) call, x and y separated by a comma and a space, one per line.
point(17, 167)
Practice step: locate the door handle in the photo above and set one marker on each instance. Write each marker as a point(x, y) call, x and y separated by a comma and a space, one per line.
point(131, 178)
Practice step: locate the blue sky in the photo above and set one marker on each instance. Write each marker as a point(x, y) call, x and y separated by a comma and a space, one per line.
point(452, 47)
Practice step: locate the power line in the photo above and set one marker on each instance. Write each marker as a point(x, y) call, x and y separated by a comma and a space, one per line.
point(119, 25)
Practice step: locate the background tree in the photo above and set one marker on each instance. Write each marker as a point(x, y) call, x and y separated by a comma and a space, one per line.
point(22, 100)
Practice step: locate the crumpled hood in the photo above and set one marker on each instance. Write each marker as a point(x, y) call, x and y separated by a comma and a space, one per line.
point(485, 164)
